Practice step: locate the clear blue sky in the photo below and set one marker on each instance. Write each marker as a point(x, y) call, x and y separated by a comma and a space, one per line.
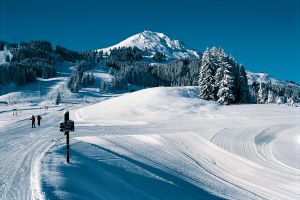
point(264, 35)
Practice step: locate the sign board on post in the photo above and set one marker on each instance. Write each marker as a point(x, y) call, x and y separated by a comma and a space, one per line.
point(66, 127)
point(62, 127)
point(69, 125)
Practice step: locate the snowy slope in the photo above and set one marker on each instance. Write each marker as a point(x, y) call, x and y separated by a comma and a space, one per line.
point(153, 42)
point(158, 143)
point(150, 104)
point(169, 137)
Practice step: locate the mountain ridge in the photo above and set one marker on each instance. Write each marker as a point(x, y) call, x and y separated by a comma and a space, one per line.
point(156, 42)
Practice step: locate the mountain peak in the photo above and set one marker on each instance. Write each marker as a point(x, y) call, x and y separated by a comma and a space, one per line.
point(155, 41)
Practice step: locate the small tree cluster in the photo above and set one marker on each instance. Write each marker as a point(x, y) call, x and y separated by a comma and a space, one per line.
point(178, 73)
point(68, 55)
point(268, 93)
point(33, 49)
point(159, 57)
point(125, 54)
point(87, 79)
point(81, 79)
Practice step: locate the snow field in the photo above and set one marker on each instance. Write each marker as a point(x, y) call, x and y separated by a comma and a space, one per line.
point(158, 143)
point(234, 152)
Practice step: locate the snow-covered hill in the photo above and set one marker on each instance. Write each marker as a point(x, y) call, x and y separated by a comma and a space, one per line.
point(151, 104)
point(153, 42)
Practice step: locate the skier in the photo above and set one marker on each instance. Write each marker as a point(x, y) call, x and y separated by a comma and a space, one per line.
point(32, 121)
point(39, 118)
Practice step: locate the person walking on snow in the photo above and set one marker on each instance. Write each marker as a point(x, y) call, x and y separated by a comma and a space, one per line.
point(39, 118)
point(32, 121)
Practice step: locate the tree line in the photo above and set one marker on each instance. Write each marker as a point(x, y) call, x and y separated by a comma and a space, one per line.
point(80, 78)
point(29, 61)
point(176, 73)
point(219, 76)
point(38, 59)
point(268, 93)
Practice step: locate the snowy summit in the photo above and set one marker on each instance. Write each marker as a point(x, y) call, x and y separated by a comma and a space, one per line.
point(156, 42)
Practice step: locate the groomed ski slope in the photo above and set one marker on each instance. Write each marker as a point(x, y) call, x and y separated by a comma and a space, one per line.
point(166, 143)
point(23, 149)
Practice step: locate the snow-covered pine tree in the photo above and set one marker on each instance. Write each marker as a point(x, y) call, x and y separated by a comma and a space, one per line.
point(281, 100)
point(296, 93)
point(92, 79)
point(75, 83)
point(84, 80)
point(227, 86)
point(219, 76)
point(262, 94)
point(211, 61)
point(7, 59)
point(88, 78)
point(58, 99)
point(271, 96)
point(103, 86)
point(243, 94)
point(206, 77)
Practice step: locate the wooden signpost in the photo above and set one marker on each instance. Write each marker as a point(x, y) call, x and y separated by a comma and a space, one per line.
point(66, 127)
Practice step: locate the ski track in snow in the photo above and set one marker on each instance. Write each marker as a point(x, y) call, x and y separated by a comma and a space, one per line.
point(233, 173)
point(273, 178)
point(21, 148)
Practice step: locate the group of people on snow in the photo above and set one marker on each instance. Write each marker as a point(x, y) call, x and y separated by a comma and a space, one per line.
point(39, 118)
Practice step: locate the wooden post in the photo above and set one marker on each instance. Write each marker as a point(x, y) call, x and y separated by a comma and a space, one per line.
point(68, 147)
point(66, 118)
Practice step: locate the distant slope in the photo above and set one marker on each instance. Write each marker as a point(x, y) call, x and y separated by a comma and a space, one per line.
point(153, 42)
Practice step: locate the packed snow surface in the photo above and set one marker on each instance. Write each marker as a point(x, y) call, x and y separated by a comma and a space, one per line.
point(174, 138)
point(158, 143)
point(153, 42)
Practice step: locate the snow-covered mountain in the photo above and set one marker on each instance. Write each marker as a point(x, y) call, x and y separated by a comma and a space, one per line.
point(153, 42)
point(266, 78)
point(175, 49)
